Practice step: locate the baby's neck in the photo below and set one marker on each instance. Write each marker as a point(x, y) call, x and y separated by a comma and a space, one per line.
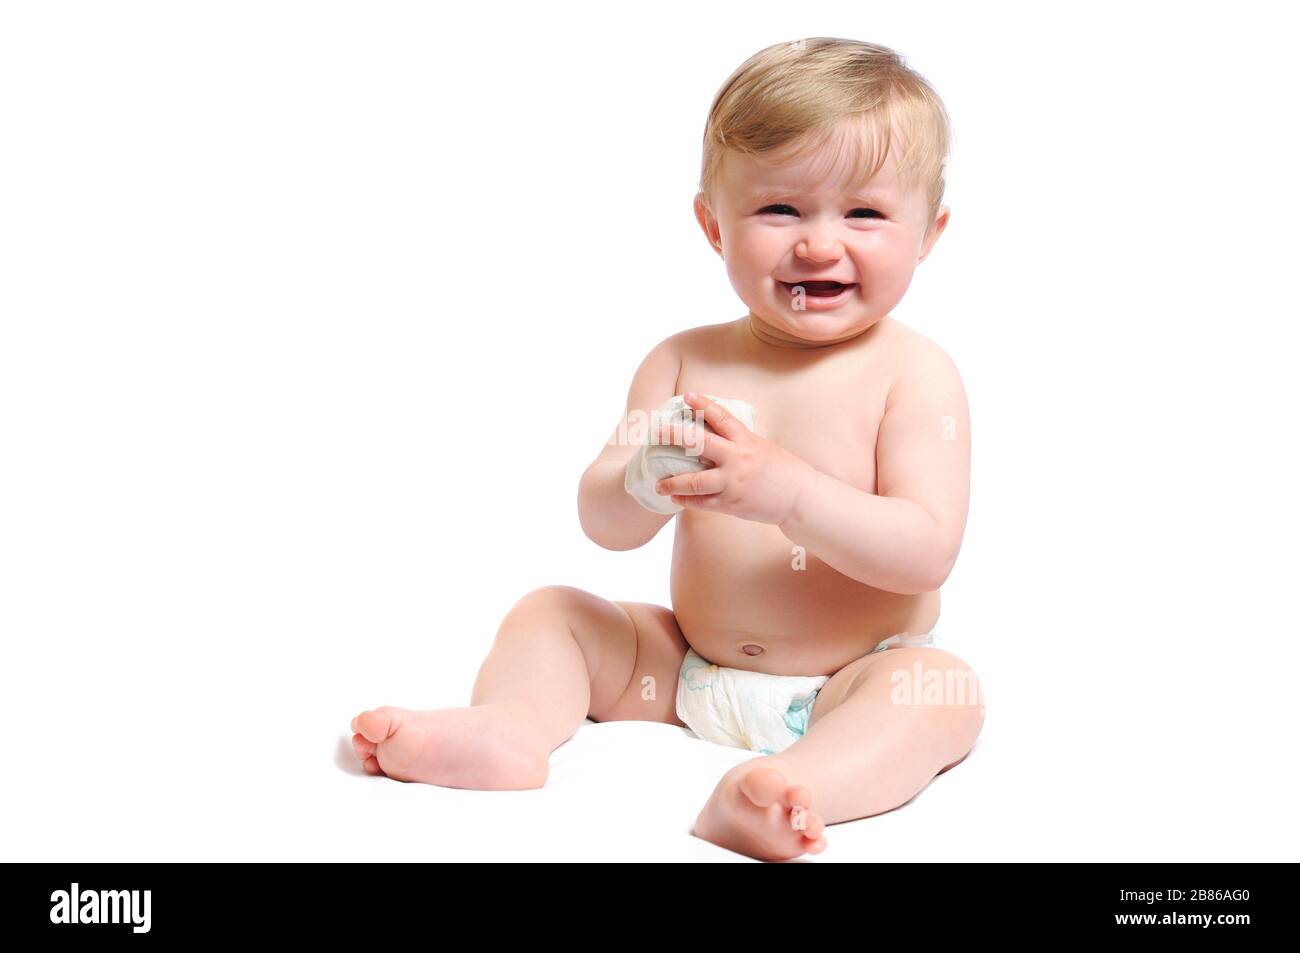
point(778, 338)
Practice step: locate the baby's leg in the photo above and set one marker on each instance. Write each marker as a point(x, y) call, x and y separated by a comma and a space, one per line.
point(560, 655)
point(888, 725)
point(881, 729)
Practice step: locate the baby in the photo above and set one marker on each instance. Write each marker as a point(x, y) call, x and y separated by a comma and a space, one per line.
point(809, 547)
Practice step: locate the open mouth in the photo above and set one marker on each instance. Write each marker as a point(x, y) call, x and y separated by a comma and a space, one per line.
point(817, 289)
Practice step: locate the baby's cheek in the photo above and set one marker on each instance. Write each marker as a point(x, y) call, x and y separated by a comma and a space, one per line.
point(742, 270)
point(750, 255)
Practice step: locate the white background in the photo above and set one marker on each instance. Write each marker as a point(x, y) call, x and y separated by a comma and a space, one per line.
point(290, 291)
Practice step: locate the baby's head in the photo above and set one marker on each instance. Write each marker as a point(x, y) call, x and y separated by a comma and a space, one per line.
point(823, 159)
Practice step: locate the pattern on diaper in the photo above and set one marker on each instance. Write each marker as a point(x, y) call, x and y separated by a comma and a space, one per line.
point(698, 674)
point(796, 718)
point(793, 717)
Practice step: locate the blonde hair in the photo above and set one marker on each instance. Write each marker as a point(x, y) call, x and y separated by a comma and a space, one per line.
point(849, 98)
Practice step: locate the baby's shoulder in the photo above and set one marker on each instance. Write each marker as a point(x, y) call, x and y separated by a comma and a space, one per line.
point(665, 361)
point(910, 352)
point(705, 338)
point(921, 370)
point(710, 340)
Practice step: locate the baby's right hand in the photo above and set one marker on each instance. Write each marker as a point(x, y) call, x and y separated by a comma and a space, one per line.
point(675, 444)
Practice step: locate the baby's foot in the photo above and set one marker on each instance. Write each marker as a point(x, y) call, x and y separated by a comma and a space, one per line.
point(488, 747)
point(755, 811)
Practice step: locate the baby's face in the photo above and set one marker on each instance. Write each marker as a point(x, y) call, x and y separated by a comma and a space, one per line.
point(783, 225)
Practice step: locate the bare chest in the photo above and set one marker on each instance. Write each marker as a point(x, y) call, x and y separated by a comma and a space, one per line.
point(827, 416)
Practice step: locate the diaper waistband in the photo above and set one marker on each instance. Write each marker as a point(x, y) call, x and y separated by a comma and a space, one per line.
point(907, 640)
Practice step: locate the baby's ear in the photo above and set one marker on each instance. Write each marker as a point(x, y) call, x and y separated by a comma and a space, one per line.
point(708, 222)
point(933, 232)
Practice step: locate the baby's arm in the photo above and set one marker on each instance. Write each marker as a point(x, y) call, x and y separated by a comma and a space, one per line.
point(905, 537)
point(609, 516)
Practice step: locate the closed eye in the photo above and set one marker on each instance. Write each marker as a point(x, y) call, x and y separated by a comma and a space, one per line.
point(790, 210)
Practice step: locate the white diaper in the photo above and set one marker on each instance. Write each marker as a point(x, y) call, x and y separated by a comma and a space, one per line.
point(654, 461)
point(744, 709)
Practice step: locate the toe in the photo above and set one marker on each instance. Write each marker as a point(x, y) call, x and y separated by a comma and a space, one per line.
point(817, 846)
point(796, 795)
point(763, 786)
point(377, 725)
point(371, 766)
point(362, 747)
point(813, 825)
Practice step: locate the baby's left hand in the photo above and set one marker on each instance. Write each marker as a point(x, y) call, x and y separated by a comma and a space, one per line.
point(753, 479)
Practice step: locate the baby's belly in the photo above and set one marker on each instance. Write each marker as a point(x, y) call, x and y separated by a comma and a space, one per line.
point(738, 584)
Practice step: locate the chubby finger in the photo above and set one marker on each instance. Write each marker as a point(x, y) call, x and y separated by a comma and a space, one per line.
point(697, 441)
point(692, 484)
point(711, 501)
point(718, 417)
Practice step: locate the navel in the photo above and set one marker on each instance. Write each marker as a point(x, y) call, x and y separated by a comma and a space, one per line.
point(751, 649)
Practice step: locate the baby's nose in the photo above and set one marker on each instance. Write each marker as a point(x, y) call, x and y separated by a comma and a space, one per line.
point(819, 249)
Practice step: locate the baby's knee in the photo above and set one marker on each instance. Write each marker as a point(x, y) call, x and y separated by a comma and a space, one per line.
point(552, 599)
point(935, 681)
point(951, 689)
